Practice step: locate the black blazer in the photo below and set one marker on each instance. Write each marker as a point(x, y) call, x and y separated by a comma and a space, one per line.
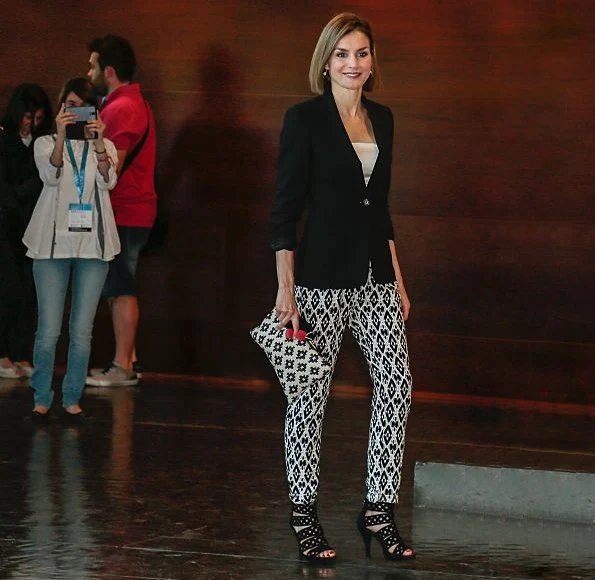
point(348, 225)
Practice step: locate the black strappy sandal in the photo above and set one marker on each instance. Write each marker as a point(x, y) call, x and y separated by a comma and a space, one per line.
point(388, 536)
point(311, 540)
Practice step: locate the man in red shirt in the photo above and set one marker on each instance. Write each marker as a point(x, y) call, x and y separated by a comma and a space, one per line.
point(130, 125)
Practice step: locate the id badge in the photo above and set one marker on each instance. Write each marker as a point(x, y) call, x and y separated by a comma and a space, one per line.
point(80, 217)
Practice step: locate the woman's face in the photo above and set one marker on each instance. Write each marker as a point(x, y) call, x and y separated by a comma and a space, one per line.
point(31, 121)
point(38, 118)
point(73, 100)
point(351, 61)
point(26, 123)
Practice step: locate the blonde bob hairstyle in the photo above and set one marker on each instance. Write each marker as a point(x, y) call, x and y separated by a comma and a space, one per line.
point(341, 25)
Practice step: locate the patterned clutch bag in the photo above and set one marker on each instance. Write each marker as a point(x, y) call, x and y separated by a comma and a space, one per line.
point(296, 362)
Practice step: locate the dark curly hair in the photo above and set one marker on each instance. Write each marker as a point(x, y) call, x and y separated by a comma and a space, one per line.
point(27, 98)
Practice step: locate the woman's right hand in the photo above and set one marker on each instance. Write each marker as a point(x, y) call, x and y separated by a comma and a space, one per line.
point(286, 309)
point(97, 126)
point(63, 119)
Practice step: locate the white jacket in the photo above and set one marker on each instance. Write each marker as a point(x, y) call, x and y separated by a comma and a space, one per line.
point(47, 234)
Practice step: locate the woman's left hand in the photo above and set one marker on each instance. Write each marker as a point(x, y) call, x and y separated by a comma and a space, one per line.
point(405, 303)
point(96, 126)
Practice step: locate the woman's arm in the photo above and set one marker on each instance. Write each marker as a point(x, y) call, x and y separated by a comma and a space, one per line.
point(49, 153)
point(293, 179)
point(43, 150)
point(107, 180)
point(388, 229)
point(293, 174)
point(405, 303)
point(97, 126)
point(63, 119)
point(387, 225)
point(285, 305)
point(56, 155)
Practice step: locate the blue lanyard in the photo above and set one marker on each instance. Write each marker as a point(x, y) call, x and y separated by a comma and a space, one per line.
point(79, 174)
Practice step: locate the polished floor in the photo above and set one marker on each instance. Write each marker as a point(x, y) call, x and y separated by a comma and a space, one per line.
point(177, 479)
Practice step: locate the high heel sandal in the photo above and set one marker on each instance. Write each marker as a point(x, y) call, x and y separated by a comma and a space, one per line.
point(388, 535)
point(310, 537)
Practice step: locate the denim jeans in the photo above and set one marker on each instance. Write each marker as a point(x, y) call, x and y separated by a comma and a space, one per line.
point(51, 281)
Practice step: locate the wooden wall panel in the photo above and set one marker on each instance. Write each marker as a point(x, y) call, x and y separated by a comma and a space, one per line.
point(492, 181)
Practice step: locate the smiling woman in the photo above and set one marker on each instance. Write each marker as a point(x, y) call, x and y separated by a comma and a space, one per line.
point(332, 44)
point(350, 64)
point(335, 162)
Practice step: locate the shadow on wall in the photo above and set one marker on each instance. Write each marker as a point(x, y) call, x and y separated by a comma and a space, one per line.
point(217, 180)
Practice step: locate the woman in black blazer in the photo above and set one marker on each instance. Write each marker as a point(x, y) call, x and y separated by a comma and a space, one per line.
point(335, 163)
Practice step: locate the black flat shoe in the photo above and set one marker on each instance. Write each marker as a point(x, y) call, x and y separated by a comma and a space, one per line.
point(40, 418)
point(74, 418)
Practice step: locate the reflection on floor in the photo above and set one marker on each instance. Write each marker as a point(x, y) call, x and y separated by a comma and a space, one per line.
point(181, 480)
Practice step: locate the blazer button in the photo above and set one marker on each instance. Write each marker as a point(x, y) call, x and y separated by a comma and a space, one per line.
point(366, 201)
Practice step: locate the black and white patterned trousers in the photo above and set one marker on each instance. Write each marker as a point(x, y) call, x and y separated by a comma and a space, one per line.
point(373, 314)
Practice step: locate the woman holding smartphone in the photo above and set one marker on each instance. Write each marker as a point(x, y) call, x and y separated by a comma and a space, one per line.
point(71, 236)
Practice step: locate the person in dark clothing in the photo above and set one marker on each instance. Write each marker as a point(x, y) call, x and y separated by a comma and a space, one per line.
point(28, 115)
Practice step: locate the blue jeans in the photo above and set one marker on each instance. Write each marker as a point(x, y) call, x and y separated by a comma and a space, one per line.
point(51, 281)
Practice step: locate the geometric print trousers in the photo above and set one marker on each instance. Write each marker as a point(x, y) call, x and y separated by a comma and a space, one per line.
point(373, 314)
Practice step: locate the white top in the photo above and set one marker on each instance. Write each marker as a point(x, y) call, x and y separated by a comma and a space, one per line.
point(368, 154)
point(47, 234)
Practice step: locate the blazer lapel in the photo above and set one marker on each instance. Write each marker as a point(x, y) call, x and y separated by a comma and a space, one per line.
point(343, 137)
point(340, 130)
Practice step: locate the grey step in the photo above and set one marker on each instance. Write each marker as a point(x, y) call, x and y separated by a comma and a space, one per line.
point(463, 536)
point(502, 491)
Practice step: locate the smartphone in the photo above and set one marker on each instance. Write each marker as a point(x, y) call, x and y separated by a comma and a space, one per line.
point(78, 129)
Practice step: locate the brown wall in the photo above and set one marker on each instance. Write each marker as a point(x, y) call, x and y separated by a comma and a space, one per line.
point(492, 185)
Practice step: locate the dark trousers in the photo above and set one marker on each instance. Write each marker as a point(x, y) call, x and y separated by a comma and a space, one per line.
point(17, 303)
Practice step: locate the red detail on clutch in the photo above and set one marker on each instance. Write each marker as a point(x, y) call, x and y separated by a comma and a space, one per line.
point(301, 334)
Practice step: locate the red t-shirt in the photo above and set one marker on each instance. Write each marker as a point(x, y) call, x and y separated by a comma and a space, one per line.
point(126, 116)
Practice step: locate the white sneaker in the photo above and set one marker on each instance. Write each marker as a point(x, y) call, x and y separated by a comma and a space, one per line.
point(10, 373)
point(24, 368)
point(112, 376)
point(136, 367)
